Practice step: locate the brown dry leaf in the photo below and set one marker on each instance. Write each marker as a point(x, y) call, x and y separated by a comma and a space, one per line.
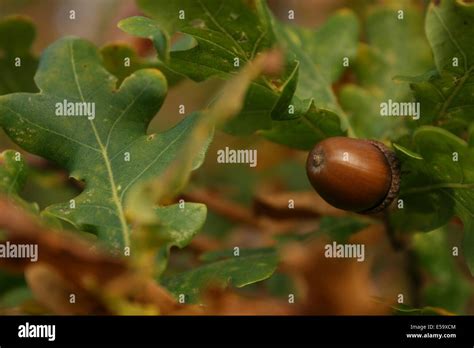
point(54, 293)
point(68, 264)
point(391, 277)
point(203, 243)
point(373, 234)
point(331, 286)
point(246, 237)
point(72, 257)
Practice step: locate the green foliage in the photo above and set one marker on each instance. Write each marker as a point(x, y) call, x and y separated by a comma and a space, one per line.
point(13, 172)
point(114, 56)
point(439, 169)
point(177, 228)
point(118, 129)
point(166, 227)
point(449, 29)
point(320, 64)
point(320, 60)
point(446, 94)
point(221, 29)
point(96, 154)
point(231, 33)
point(394, 47)
point(229, 253)
point(448, 287)
point(219, 40)
point(438, 186)
point(252, 266)
point(14, 78)
point(15, 297)
point(13, 175)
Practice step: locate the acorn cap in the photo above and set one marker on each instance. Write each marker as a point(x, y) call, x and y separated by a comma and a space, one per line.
point(394, 164)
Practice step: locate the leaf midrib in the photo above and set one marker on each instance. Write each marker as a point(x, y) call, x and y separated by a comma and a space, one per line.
point(104, 153)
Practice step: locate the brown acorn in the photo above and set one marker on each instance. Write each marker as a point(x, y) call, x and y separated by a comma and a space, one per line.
point(362, 176)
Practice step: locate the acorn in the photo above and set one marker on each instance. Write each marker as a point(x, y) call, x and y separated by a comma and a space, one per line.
point(362, 176)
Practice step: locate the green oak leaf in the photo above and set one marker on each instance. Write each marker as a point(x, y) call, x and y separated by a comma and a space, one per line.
point(228, 103)
point(16, 37)
point(446, 95)
point(317, 112)
point(178, 226)
point(237, 271)
point(448, 287)
point(114, 56)
point(224, 31)
point(305, 131)
point(146, 27)
point(320, 54)
point(446, 101)
point(449, 28)
point(234, 32)
point(437, 186)
point(217, 255)
point(158, 230)
point(394, 47)
point(94, 150)
point(13, 175)
point(224, 43)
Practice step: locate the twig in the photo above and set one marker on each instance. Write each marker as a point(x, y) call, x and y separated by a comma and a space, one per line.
point(396, 243)
point(223, 206)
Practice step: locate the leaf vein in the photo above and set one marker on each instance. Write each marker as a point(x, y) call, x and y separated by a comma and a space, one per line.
point(152, 163)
